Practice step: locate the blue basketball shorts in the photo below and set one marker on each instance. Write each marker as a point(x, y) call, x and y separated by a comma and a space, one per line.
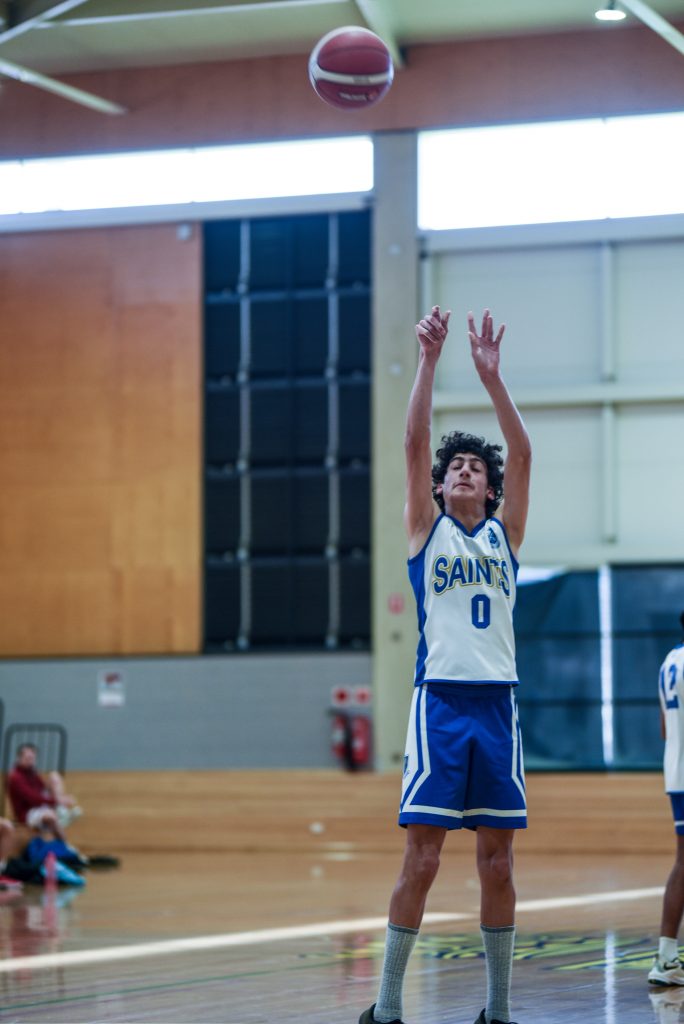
point(677, 801)
point(463, 765)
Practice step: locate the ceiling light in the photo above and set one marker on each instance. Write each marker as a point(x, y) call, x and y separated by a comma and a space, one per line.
point(609, 13)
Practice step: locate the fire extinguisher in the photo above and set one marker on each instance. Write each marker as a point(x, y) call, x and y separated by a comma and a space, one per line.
point(341, 743)
point(360, 740)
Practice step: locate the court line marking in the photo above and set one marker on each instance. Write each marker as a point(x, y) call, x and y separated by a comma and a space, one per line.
point(166, 947)
point(201, 942)
point(584, 901)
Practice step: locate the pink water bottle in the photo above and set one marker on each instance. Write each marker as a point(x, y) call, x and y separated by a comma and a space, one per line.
point(50, 871)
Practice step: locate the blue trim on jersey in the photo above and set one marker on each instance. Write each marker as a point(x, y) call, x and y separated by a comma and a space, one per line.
point(416, 571)
point(516, 564)
point(471, 682)
point(421, 658)
point(469, 533)
point(428, 539)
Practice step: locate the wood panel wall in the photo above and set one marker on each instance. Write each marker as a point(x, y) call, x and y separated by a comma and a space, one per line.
point(100, 343)
point(100, 330)
point(249, 811)
point(607, 70)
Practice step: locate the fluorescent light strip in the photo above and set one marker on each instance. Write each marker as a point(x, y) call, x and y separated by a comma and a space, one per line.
point(184, 176)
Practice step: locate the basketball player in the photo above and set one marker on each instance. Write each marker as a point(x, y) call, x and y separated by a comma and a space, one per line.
point(667, 967)
point(463, 764)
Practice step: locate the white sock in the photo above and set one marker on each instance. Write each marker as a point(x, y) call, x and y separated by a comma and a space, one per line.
point(667, 949)
point(398, 947)
point(498, 944)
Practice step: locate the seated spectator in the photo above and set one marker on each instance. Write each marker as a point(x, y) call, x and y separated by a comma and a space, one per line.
point(39, 803)
point(6, 843)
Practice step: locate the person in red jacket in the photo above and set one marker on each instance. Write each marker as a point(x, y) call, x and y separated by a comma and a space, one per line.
point(40, 803)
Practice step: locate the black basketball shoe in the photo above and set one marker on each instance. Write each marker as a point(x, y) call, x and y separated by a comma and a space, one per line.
point(482, 1019)
point(368, 1018)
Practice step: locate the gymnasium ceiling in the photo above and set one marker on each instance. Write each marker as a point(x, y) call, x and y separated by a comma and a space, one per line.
point(59, 38)
point(99, 34)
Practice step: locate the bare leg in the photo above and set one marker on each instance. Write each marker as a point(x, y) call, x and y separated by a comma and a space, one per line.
point(495, 867)
point(6, 840)
point(55, 784)
point(673, 900)
point(421, 863)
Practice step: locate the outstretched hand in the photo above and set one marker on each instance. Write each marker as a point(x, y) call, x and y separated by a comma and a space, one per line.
point(484, 347)
point(431, 332)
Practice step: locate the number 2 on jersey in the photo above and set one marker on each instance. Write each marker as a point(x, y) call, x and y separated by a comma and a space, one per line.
point(480, 611)
point(673, 701)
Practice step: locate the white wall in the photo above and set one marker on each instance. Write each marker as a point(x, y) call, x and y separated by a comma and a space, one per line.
point(230, 711)
point(594, 355)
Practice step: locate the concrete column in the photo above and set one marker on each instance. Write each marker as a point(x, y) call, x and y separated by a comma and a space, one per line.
point(395, 350)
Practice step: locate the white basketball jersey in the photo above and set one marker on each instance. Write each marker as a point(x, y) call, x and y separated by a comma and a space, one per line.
point(465, 591)
point(671, 689)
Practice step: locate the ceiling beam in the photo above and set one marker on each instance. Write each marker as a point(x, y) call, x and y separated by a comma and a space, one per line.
point(256, 9)
point(377, 17)
point(39, 13)
point(67, 92)
point(36, 13)
point(655, 21)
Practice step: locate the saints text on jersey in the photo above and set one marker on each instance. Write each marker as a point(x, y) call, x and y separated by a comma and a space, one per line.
point(466, 571)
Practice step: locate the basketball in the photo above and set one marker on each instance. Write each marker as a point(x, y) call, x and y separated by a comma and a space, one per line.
point(351, 68)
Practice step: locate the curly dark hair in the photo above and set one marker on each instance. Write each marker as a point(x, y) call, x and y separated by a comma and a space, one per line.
point(459, 443)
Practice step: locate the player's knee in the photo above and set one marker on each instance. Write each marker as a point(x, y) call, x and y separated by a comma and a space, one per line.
point(423, 865)
point(497, 867)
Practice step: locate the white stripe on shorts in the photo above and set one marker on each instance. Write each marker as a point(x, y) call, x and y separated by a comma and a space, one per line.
point(446, 812)
point(516, 751)
point(495, 814)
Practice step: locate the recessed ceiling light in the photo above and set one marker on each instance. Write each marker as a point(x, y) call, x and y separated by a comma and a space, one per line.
point(609, 13)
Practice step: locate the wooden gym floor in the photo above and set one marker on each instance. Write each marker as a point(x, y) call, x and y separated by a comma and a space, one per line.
point(289, 927)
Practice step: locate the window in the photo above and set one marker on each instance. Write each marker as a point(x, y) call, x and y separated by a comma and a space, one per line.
point(541, 173)
point(182, 176)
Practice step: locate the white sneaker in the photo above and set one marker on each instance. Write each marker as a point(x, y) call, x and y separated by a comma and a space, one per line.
point(666, 972)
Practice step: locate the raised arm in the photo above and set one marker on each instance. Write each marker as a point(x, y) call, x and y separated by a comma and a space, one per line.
point(421, 511)
point(485, 349)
